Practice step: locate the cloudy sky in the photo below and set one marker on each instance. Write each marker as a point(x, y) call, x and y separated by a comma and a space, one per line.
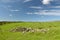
point(29, 10)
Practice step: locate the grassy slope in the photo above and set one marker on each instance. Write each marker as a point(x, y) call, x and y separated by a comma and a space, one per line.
point(53, 34)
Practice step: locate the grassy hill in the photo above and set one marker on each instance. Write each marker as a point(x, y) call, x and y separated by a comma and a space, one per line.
point(52, 34)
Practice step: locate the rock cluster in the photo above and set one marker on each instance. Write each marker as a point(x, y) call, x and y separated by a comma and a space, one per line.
point(24, 29)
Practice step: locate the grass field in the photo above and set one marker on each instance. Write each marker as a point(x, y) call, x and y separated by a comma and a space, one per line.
point(52, 34)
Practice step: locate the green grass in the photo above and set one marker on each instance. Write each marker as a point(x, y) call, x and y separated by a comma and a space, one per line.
point(52, 34)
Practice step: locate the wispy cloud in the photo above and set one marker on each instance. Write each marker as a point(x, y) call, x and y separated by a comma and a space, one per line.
point(36, 7)
point(16, 10)
point(5, 1)
point(29, 13)
point(27, 0)
point(55, 6)
point(47, 12)
point(10, 15)
point(9, 6)
point(8, 1)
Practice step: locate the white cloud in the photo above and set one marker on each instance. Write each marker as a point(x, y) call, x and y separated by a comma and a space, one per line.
point(46, 1)
point(15, 10)
point(27, 0)
point(47, 12)
point(36, 7)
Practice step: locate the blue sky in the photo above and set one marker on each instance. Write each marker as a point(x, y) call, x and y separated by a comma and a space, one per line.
point(29, 10)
